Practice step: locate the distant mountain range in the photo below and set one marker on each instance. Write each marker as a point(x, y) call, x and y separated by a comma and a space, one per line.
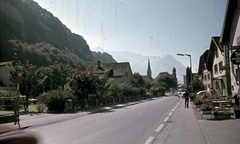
point(139, 63)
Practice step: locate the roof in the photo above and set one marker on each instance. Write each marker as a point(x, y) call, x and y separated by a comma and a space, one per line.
point(228, 20)
point(202, 62)
point(214, 45)
point(118, 69)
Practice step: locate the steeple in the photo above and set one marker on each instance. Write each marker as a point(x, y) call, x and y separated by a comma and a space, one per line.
point(149, 72)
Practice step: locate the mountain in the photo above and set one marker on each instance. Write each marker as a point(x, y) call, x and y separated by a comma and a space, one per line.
point(139, 63)
point(25, 23)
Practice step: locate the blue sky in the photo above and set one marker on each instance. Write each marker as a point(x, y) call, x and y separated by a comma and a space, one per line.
point(146, 27)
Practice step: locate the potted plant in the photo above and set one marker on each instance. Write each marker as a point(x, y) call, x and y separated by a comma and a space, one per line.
point(237, 111)
point(220, 115)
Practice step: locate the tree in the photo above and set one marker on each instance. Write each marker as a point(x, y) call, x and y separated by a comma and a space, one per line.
point(188, 76)
point(84, 84)
point(137, 80)
point(54, 76)
point(197, 85)
point(30, 82)
point(168, 80)
point(174, 75)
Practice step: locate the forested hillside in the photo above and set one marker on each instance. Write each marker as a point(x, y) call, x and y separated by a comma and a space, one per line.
point(28, 31)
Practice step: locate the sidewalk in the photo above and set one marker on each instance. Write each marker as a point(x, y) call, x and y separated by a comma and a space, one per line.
point(189, 128)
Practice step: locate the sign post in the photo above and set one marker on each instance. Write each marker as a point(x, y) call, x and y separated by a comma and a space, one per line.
point(19, 80)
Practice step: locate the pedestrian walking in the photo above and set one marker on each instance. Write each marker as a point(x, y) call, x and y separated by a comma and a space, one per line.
point(186, 96)
point(236, 99)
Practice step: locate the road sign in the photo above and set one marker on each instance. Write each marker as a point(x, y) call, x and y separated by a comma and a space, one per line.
point(235, 57)
point(19, 79)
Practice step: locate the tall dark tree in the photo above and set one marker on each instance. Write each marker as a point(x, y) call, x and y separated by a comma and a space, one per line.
point(188, 76)
point(174, 75)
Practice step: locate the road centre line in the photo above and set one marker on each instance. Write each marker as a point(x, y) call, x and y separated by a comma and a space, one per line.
point(149, 140)
point(170, 113)
point(159, 128)
point(166, 119)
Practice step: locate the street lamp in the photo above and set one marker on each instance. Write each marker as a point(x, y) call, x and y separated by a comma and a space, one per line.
point(179, 54)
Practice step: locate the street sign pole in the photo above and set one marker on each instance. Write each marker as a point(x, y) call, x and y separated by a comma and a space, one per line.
point(19, 80)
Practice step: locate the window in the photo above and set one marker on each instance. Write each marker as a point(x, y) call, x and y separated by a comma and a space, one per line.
point(208, 76)
point(205, 77)
point(216, 53)
point(216, 69)
point(220, 66)
point(237, 70)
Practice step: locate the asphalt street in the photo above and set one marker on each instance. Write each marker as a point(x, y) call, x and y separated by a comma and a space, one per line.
point(131, 124)
point(162, 120)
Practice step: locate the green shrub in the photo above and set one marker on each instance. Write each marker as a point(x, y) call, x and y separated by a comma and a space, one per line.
point(56, 99)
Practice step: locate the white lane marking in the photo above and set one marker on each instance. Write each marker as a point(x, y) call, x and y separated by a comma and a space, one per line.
point(159, 128)
point(166, 119)
point(170, 113)
point(149, 140)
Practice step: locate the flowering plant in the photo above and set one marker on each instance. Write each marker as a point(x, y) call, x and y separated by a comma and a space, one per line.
point(205, 107)
point(237, 108)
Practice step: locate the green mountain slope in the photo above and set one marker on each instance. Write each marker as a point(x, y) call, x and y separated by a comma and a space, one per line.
point(28, 31)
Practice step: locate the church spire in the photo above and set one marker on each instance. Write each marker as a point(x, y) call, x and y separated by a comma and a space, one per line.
point(149, 72)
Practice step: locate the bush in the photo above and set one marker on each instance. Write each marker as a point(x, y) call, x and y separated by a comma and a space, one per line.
point(56, 99)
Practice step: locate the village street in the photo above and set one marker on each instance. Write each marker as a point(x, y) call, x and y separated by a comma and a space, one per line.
point(157, 121)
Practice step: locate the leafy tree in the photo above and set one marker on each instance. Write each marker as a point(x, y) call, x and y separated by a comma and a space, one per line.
point(158, 88)
point(115, 91)
point(30, 79)
point(84, 84)
point(54, 76)
point(168, 80)
point(197, 85)
point(137, 80)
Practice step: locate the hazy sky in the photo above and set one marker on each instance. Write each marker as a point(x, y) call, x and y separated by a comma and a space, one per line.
point(146, 27)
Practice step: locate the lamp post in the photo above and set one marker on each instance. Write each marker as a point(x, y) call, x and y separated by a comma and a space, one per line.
point(179, 54)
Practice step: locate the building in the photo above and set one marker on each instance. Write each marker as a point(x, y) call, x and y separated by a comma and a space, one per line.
point(5, 75)
point(119, 72)
point(205, 71)
point(149, 71)
point(217, 71)
point(229, 39)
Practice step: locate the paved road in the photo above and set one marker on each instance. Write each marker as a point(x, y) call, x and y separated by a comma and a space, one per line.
point(134, 124)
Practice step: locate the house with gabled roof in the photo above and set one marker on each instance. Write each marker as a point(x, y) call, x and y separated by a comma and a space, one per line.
point(230, 38)
point(211, 70)
point(5, 75)
point(119, 72)
point(216, 60)
point(205, 70)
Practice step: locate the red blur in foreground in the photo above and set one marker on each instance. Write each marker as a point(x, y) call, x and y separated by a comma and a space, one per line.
point(13, 136)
